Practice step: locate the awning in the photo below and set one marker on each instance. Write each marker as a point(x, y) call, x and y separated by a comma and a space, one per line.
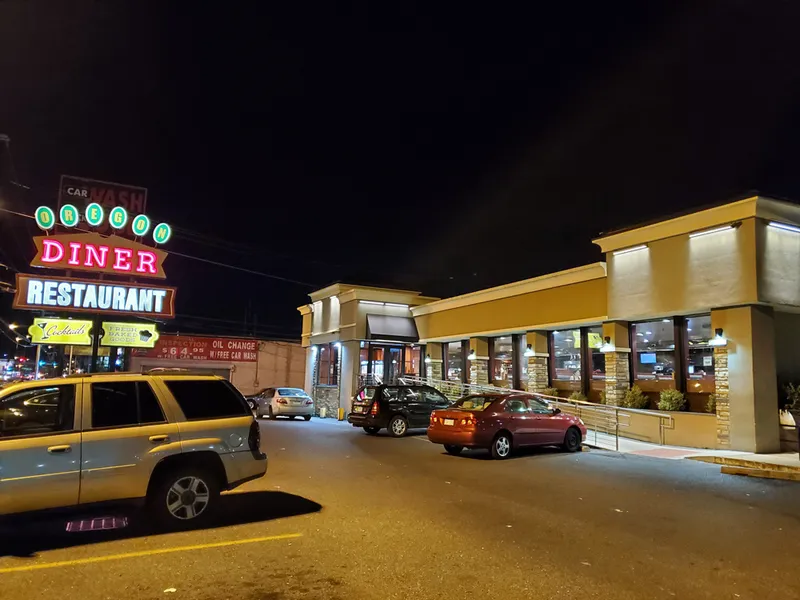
point(394, 329)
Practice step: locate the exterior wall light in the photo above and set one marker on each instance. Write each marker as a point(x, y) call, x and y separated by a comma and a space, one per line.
point(428, 359)
point(529, 351)
point(719, 338)
point(338, 345)
point(472, 355)
point(784, 226)
point(607, 346)
point(629, 250)
point(714, 230)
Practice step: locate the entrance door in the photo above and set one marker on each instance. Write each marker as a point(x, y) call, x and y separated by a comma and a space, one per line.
point(385, 363)
point(394, 364)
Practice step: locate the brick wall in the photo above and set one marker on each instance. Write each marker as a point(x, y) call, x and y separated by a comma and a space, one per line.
point(538, 377)
point(617, 377)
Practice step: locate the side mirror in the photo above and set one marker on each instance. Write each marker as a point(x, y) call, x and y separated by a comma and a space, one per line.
point(556, 411)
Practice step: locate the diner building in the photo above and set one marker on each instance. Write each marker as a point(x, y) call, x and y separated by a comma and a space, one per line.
point(706, 303)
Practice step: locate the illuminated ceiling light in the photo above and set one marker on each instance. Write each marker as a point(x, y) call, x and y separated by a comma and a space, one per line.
point(710, 231)
point(645, 340)
point(607, 346)
point(784, 226)
point(649, 333)
point(529, 351)
point(719, 338)
point(640, 334)
point(555, 333)
point(666, 320)
point(338, 345)
point(629, 250)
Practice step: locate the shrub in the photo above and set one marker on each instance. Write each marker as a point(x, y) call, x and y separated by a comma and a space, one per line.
point(711, 405)
point(671, 400)
point(635, 398)
point(577, 396)
point(550, 391)
point(792, 399)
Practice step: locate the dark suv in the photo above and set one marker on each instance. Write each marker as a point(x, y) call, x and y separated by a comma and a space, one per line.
point(396, 407)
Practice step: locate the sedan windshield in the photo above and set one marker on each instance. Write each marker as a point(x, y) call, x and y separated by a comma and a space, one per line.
point(476, 403)
point(291, 392)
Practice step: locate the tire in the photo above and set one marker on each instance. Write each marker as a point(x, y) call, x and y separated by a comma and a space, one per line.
point(452, 449)
point(271, 414)
point(572, 440)
point(372, 430)
point(180, 510)
point(307, 417)
point(291, 417)
point(398, 426)
point(501, 446)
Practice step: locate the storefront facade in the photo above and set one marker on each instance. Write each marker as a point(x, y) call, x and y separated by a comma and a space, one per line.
point(707, 304)
point(356, 335)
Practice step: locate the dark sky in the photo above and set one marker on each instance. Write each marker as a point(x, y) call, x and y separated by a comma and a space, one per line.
point(443, 150)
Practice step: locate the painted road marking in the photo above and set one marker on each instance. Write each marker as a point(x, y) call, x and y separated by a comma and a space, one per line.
point(96, 559)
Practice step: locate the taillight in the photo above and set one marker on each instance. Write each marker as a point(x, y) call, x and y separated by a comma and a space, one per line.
point(470, 421)
point(433, 418)
point(281, 401)
point(375, 409)
point(254, 437)
point(309, 402)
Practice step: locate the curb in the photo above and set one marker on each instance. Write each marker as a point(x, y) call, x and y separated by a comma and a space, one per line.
point(747, 464)
point(761, 473)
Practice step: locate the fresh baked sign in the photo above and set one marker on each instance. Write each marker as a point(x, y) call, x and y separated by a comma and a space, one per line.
point(129, 335)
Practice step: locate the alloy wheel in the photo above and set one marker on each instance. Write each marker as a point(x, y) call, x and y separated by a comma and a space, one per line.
point(398, 427)
point(188, 498)
point(503, 446)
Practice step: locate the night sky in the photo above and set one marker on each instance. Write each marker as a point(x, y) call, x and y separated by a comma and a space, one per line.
point(439, 150)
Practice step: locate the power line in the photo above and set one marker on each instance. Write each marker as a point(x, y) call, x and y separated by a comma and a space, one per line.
point(197, 258)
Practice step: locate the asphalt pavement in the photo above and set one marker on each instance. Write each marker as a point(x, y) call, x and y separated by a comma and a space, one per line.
point(343, 515)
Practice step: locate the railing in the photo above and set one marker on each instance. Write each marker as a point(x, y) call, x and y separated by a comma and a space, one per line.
point(603, 422)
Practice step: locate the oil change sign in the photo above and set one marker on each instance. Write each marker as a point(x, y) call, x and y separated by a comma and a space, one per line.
point(129, 335)
point(61, 331)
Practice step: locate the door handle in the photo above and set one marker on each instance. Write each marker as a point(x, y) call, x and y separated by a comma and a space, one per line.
point(157, 439)
point(59, 449)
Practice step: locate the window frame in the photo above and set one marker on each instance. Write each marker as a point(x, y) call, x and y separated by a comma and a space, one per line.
point(685, 351)
point(332, 376)
point(656, 385)
point(77, 406)
point(136, 383)
point(564, 384)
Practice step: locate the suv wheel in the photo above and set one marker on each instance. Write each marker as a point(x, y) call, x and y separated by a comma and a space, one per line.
point(185, 497)
point(307, 417)
point(398, 426)
point(271, 414)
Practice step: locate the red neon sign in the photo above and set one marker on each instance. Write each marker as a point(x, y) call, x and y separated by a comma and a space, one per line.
point(93, 252)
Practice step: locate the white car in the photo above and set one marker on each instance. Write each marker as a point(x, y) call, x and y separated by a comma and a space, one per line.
point(284, 402)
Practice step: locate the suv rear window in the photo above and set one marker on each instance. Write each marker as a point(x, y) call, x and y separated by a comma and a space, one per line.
point(208, 399)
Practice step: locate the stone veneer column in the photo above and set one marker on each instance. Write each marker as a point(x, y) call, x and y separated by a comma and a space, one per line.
point(721, 394)
point(434, 370)
point(618, 377)
point(538, 367)
point(538, 376)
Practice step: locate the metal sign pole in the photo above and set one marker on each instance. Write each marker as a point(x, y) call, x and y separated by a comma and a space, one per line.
point(69, 366)
point(97, 323)
point(38, 357)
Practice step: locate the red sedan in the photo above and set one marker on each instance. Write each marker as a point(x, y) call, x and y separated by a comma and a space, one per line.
point(502, 422)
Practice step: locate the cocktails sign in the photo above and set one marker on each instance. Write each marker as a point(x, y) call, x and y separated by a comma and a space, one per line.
point(61, 331)
point(95, 253)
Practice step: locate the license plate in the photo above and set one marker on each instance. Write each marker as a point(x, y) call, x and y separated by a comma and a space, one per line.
point(449, 422)
point(357, 409)
point(297, 403)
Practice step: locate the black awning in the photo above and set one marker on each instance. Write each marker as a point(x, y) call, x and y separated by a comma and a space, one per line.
point(394, 329)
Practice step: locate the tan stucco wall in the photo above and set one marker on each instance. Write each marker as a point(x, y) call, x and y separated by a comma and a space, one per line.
point(579, 302)
point(778, 265)
point(681, 275)
point(752, 377)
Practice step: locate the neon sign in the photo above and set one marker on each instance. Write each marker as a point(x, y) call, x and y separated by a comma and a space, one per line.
point(37, 293)
point(69, 216)
point(93, 252)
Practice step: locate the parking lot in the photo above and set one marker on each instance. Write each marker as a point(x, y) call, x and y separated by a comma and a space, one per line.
point(346, 515)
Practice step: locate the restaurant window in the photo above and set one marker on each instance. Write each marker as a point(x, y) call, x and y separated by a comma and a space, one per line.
point(413, 361)
point(566, 355)
point(595, 337)
point(502, 355)
point(654, 354)
point(700, 356)
point(327, 365)
point(363, 359)
point(454, 355)
point(520, 346)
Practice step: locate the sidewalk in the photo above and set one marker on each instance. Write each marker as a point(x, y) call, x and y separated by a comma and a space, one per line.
point(784, 465)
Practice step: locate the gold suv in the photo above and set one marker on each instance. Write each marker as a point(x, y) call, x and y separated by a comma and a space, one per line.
point(174, 441)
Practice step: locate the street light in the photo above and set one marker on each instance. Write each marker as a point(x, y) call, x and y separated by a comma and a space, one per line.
point(13, 326)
